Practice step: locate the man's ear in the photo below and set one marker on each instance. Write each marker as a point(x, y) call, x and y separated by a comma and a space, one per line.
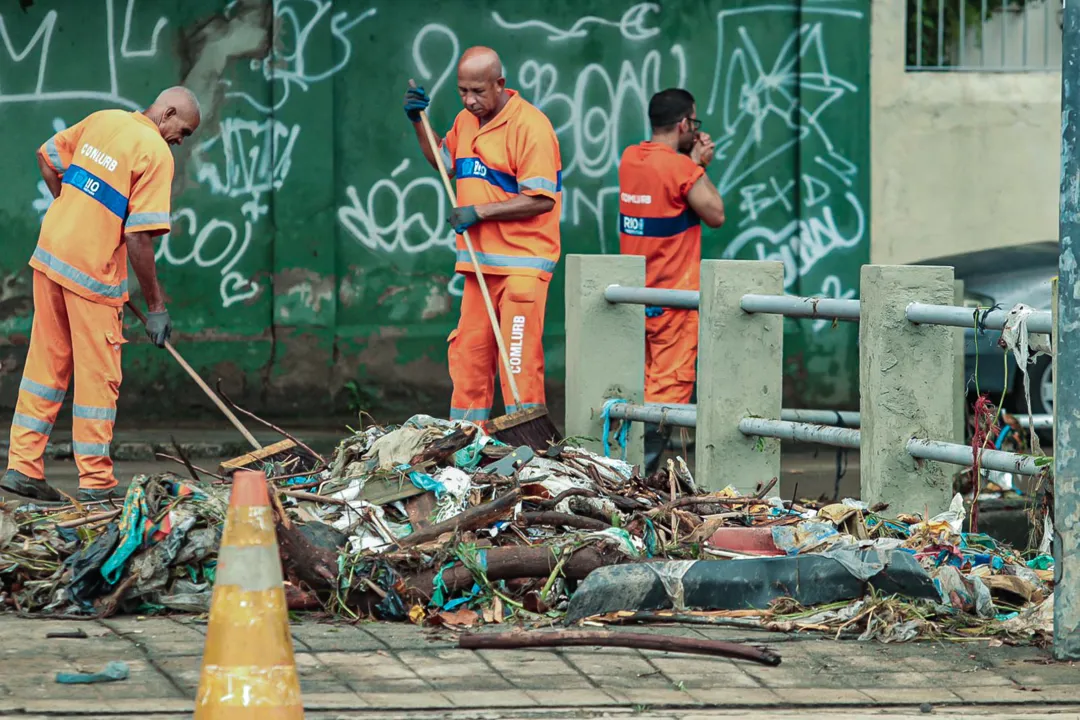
point(501, 82)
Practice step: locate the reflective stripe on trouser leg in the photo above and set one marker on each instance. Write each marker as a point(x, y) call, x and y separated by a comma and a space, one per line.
point(671, 356)
point(521, 318)
point(473, 354)
point(98, 335)
point(45, 379)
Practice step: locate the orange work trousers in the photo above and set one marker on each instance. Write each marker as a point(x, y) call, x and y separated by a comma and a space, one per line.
point(671, 342)
point(69, 335)
point(474, 355)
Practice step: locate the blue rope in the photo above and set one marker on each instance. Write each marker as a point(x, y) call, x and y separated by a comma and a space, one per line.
point(624, 430)
point(1004, 434)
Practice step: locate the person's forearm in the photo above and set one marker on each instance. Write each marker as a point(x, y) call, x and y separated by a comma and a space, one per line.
point(50, 176)
point(521, 207)
point(141, 256)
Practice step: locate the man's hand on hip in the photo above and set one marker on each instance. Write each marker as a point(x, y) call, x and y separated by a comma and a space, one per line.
point(158, 327)
point(415, 101)
point(462, 218)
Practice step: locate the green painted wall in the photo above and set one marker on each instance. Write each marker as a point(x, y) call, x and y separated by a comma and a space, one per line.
point(310, 246)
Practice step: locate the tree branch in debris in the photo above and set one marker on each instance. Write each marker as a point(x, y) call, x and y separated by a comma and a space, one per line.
point(604, 638)
point(444, 447)
point(472, 519)
point(508, 563)
point(557, 519)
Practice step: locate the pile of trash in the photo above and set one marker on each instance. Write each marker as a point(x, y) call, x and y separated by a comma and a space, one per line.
point(156, 552)
point(437, 522)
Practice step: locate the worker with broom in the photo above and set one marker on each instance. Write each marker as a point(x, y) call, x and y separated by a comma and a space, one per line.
point(664, 196)
point(111, 177)
point(505, 157)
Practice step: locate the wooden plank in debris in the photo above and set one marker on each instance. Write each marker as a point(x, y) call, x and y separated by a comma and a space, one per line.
point(419, 510)
point(247, 459)
point(383, 490)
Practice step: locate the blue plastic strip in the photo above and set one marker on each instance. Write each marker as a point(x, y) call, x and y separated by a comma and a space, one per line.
point(509, 261)
point(78, 276)
point(624, 430)
point(32, 423)
point(89, 412)
point(82, 179)
point(42, 391)
point(658, 227)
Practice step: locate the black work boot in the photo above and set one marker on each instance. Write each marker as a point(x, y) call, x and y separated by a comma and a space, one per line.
point(86, 495)
point(16, 483)
point(656, 441)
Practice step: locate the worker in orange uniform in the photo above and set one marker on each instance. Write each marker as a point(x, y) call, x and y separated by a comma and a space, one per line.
point(111, 176)
point(664, 196)
point(505, 157)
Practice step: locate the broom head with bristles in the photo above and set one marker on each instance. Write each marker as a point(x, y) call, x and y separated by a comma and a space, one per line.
point(532, 427)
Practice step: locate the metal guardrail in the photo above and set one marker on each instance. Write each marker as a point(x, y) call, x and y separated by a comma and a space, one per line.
point(820, 426)
point(801, 307)
point(660, 297)
point(963, 455)
point(1039, 321)
point(801, 432)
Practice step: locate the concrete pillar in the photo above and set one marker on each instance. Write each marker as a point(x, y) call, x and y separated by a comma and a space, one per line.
point(960, 377)
point(907, 385)
point(605, 347)
point(740, 374)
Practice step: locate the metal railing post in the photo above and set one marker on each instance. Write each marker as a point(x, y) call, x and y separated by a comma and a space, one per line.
point(959, 370)
point(605, 346)
point(740, 374)
point(906, 384)
point(1067, 356)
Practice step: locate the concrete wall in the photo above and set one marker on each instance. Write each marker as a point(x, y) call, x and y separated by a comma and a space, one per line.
point(961, 160)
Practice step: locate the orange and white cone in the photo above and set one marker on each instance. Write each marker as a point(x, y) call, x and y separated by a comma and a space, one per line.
point(248, 668)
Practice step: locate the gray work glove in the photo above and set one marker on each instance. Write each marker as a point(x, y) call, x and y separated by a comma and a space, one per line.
point(158, 327)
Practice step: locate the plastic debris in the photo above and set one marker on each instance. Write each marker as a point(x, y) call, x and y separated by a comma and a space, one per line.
point(113, 671)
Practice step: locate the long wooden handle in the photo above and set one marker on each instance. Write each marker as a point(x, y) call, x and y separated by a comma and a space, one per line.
point(507, 370)
point(199, 381)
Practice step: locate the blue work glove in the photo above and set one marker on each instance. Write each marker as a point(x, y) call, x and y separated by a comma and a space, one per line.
point(158, 327)
point(462, 218)
point(415, 101)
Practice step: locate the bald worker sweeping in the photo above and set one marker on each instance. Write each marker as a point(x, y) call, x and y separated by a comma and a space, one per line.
point(505, 157)
point(111, 177)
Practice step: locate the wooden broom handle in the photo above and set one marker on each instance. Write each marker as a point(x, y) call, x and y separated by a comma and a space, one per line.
point(199, 381)
point(430, 134)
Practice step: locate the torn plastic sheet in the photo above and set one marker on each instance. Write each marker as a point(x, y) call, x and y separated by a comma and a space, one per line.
point(1026, 347)
point(966, 593)
point(671, 575)
point(752, 583)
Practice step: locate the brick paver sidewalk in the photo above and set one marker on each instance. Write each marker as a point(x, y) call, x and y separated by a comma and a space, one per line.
point(384, 670)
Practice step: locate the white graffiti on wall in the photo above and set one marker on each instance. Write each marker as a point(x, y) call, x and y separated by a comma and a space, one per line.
point(415, 223)
point(631, 25)
point(246, 159)
point(216, 244)
point(602, 111)
point(296, 23)
point(801, 244)
point(769, 109)
point(41, 42)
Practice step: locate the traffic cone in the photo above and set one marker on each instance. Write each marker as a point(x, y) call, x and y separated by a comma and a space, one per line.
point(248, 669)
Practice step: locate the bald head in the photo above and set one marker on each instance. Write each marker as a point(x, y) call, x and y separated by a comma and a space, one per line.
point(481, 82)
point(177, 114)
